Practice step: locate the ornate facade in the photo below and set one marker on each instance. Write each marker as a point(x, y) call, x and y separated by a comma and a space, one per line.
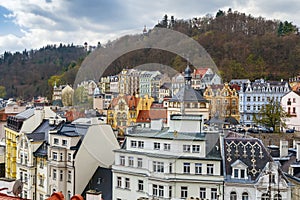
point(124, 110)
point(224, 101)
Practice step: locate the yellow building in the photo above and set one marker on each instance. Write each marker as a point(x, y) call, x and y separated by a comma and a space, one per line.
point(224, 101)
point(12, 132)
point(11, 155)
point(24, 122)
point(124, 110)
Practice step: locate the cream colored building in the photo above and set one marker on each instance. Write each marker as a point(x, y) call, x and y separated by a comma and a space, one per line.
point(67, 95)
point(76, 151)
point(224, 101)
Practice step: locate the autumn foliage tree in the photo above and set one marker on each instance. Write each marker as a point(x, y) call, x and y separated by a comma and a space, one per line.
point(271, 115)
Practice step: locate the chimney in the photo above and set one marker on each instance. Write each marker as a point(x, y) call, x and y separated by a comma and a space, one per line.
point(93, 195)
point(284, 146)
point(298, 151)
point(39, 115)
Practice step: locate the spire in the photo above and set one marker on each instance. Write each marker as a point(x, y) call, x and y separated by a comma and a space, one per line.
point(187, 75)
point(144, 30)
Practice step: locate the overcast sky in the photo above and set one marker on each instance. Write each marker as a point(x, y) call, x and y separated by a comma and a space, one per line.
point(31, 24)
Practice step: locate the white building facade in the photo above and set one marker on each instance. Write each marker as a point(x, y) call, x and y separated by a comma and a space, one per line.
point(164, 164)
point(250, 172)
point(291, 105)
point(253, 95)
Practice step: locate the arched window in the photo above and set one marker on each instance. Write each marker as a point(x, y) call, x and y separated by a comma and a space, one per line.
point(277, 197)
point(265, 196)
point(233, 196)
point(245, 196)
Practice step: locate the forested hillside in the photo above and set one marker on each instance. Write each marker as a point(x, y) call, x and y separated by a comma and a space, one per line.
point(25, 74)
point(241, 46)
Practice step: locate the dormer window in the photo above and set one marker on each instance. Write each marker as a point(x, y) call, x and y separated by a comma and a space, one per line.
point(239, 170)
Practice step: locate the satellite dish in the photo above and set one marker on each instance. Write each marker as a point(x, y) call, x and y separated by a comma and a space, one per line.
point(17, 188)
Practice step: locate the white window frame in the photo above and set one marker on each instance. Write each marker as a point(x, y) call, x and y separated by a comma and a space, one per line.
point(186, 148)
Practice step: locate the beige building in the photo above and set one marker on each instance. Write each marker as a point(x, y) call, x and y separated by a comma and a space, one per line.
point(224, 101)
point(67, 95)
point(129, 80)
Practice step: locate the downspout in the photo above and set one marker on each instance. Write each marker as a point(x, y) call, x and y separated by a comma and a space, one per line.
point(222, 146)
point(74, 177)
point(35, 177)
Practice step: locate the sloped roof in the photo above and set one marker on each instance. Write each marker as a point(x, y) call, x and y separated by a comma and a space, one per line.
point(158, 114)
point(7, 197)
point(188, 94)
point(42, 150)
point(131, 101)
point(143, 116)
point(166, 86)
point(72, 130)
point(25, 114)
point(200, 71)
point(250, 151)
point(41, 132)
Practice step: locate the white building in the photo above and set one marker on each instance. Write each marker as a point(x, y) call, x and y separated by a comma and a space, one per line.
point(34, 133)
point(291, 104)
point(166, 163)
point(177, 82)
point(177, 162)
point(250, 172)
point(76, 151)
point(258, 93)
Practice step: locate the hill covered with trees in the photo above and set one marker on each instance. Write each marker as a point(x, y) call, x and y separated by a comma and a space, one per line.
point(242, 46)
point(25, 74)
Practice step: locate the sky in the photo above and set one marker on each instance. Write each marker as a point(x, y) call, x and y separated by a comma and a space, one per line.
point(32, 24)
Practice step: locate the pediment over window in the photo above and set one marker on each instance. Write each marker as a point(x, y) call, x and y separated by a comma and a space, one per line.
point(239, 164)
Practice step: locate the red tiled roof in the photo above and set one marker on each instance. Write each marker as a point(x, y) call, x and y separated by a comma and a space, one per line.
point(200, 71)
point(131, 101)
point(60, 196)
point(158, 114)
point(144, 116)
point(235, 86)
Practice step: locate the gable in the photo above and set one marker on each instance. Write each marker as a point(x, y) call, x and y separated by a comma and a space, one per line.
point(239, 164)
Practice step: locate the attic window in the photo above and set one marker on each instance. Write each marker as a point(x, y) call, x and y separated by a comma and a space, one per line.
point(239, 170)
